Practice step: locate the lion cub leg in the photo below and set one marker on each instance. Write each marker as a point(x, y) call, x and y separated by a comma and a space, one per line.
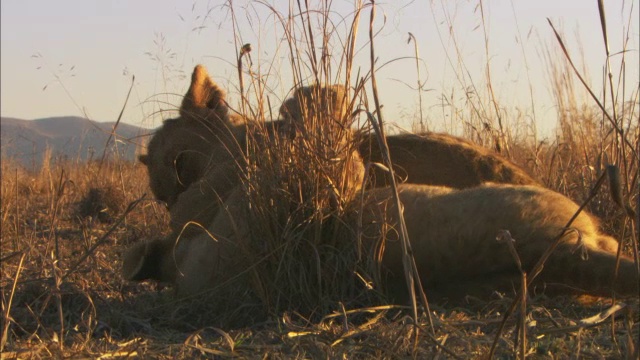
point(156, 259)
point(188, 263)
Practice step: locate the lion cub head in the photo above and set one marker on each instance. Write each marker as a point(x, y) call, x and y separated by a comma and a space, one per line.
point(327, 102)
point(207, 135)
point(182, 148)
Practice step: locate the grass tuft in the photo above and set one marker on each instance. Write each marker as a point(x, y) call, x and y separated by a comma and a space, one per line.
point(101, 204)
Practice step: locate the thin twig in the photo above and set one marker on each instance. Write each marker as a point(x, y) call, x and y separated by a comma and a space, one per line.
point(115, 126)
point(104, 237)
point(423, 128)
point(7, 314)
point(543, 259)
point(593, 96)
point(407, 258)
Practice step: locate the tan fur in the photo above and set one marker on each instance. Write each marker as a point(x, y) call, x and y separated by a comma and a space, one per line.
point(202, 152)
point(183, 150)
point(305, 103)
point(195, 260)
point(429, 158)
point(441, 159)
point(453, 235)
point(205, 136)
point(196, 163)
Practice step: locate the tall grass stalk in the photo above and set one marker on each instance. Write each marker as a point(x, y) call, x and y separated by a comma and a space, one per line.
point(409, 264)
point(299, 185)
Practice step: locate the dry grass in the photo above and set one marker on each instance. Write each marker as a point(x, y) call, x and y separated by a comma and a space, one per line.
point(54, 306)
point(61, 309)
point(63, 295)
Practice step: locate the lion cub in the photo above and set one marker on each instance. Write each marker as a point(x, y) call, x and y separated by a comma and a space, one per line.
point(196, 164)
point(208, 138)
point(452, 233)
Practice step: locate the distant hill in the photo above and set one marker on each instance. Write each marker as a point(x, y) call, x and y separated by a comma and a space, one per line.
point(70, 137)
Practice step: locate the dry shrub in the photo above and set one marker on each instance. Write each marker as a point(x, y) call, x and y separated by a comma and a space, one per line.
point(65, 272)
point(297, 189)
point(297, 186)
point(102, 204)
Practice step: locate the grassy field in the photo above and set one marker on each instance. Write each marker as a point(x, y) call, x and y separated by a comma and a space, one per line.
point(65, 227)
point(63, 232)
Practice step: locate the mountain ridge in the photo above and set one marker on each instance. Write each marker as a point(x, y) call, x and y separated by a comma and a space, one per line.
point(69, 137)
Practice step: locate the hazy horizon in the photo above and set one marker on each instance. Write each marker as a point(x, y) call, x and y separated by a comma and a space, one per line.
point(84, 54)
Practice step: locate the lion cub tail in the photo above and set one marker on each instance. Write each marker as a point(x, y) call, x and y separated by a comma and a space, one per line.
point(593, 274)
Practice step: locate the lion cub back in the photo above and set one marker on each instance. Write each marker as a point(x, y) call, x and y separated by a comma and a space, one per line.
point(453, 235)
point(442, 159)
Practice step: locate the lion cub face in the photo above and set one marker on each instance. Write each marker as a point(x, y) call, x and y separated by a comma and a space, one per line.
point(181, 149)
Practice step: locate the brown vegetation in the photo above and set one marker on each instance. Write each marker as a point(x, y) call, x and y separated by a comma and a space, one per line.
point(62, 306)
point(63, 294)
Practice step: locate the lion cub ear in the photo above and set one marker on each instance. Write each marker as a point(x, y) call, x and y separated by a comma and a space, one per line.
point(203, 94)
point(144, 159)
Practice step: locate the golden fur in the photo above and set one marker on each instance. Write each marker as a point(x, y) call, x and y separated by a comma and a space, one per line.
point(198, 260)
point(453, 236)
point(206, 134)
point(197, 187)
point(202, 153)
point(307, 102)
point(441, 159)
point(196, 164)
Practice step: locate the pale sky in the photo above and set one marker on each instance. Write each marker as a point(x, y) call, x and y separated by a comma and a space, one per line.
point(83, 53)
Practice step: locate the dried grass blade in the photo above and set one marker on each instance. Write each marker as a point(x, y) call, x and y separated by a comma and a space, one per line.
point(378, 125)
point(591, 93)
point(115, 126)
point(7, 319)
point(543, 259)
point(104, 237)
